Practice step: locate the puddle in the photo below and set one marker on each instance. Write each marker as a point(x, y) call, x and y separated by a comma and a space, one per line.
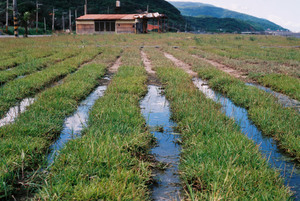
point(15, 111)
point(284, 100)
point(74, 124)
point(289, 169)
point(155, 109)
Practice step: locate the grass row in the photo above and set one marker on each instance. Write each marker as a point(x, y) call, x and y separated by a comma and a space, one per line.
point(26, 56)
point(268, 74)
point(36, 65)
point(104, 164)
point(24, 143)
point(218, 161)
point(14, 91)
point(273, 119)
point(282, 83)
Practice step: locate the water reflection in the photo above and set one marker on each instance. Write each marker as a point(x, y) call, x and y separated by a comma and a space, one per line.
point(289, 169)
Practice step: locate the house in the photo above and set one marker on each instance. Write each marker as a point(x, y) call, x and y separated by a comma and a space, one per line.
point(119, 23)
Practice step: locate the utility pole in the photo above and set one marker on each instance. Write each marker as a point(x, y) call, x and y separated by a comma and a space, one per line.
point(15, 15)
point(37, 16)
point(53, 18)
point(147, 8)
point(45, 28)
point(6, 24)
point(108, 10)
point(76, 13)
point(63, 20)
point(70, 20)
point(85, 7)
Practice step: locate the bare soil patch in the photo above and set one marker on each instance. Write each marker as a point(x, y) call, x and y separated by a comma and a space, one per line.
point(181, 64)
point(224, 68)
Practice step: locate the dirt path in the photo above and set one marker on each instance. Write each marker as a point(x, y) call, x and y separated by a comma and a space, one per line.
point(114, 68)
point(152, 79)
point(147, 63)
point(224, 68)
point(184, 66)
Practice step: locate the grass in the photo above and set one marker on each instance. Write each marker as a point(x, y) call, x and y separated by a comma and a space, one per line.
point(105, 163)
point(16, 90)
point(36, 64)
point(274, 120)
point(282, 83)
point(24, 143)
point(26, 55)
point(217, 160)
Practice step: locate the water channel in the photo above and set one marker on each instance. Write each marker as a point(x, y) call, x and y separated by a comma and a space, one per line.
point(288, 168)
point(156, 110)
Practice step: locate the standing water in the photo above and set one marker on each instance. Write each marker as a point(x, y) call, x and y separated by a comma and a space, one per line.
point(15, 111)
point(282, 99)
point(156, 111)
point(74, 124)
point(289, 169)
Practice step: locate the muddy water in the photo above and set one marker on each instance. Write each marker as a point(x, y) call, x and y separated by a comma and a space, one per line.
point(74, 124)
point(282, 99)
point(15, 111)
point(288, 169)
point(156, 111)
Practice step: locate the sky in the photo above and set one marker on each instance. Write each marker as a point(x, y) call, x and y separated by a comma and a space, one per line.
point(282, 12)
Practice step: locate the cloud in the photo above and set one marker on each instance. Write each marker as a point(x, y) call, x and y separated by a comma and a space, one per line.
point(285, 23)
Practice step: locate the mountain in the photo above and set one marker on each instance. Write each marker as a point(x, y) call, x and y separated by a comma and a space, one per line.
point(213, 24)
point(199, 9)
point(94, 7)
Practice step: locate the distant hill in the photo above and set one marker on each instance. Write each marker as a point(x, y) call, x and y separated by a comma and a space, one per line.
point(213, 24)
point(199, 9)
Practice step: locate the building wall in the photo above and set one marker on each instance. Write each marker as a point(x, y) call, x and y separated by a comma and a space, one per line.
point(122, 26)
point(127, 26)
point(85, 27)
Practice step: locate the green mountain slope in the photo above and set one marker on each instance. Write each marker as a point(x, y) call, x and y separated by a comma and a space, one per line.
point(213, 24)
point(199, 9)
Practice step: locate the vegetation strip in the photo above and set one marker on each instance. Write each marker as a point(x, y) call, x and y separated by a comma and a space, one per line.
point(24, 143)
point(289, 169)
point(218, 162)
point(36, 65)
point(37, 53)
point(274, 120)
point(104, 164)
point(14, 91)
point(276, 81)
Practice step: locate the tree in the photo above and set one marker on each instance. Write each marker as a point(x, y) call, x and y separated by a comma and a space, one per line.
point(25, 21)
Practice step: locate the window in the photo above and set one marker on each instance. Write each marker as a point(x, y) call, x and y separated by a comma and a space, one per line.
point(108, 26)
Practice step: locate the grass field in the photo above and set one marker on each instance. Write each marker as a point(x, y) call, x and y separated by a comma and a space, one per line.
point(112, 159)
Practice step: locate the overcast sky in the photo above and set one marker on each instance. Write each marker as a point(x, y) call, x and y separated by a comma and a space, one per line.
point(283, 12)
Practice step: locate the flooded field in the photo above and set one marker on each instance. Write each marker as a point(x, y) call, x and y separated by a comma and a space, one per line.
point(289, 168)
point(155, 109)
point(150, 117)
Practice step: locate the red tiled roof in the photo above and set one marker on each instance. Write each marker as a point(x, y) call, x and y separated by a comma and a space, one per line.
point(107, 17)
